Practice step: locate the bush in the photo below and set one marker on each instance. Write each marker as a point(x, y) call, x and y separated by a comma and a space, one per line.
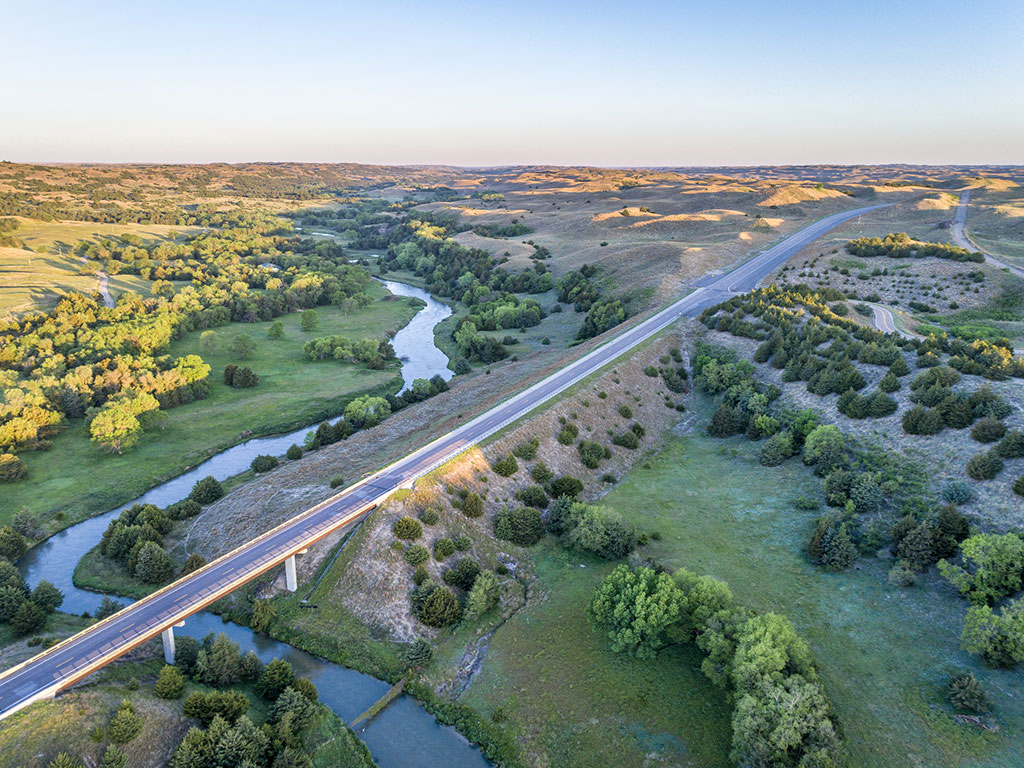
point(12, 468)
point(591, 453)
point(240, 377)
point(520, 525)
point(206, 491)
point(170, 683)
point(263, 463)
point(463, 543)
point(336, 482)
point(407, 528)
point(902, 575)
point(540, 473)
point(825, 448)
point(420, 575)
point(568, 487)
point(276, 676)
point(527, 450)
point(204, 707)
point(998, 637)
point(309, 320)
point(443, 547)
point(441, 608)
point(958, 492)
point(430, 516)
point(966, 694)
point(1011, 446)
point(463, 574)
point(533, 496)
point(184, 509)
point(154, 565)
point(416, 554)
point(987, 430)
point(419, 653)
point(627, 439)
point(984, 466)
point(1018, 486)
point(126, 723)
point(12, 544)
point(506, 467)
point(625, 412)
point(113, 757)
point(568, 434)
point(777, 449)
point(636, 607)
point(28, 618)
point(472, 505)
point(294, 452)
point(600, 531)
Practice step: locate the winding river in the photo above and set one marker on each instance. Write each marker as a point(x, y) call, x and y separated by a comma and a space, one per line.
point(403, 734)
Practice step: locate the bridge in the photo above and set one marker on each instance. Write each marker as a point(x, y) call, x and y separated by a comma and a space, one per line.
point(73, 659)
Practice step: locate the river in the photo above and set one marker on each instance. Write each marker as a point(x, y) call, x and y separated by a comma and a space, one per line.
point(404, 734)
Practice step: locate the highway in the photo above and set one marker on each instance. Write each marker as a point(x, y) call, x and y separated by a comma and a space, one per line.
point(78, 656)
point(958, 233)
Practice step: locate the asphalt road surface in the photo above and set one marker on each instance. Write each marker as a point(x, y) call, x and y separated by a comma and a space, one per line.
point(100, 644)
point(958, 232)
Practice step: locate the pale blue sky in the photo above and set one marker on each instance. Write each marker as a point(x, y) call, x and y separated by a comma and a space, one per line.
point(488, 83)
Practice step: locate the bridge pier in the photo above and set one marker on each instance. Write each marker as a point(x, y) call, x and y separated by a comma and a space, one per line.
point(290, 580)
point(168, 637)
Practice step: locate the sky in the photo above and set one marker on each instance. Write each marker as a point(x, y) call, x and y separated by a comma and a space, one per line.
point(727, 82)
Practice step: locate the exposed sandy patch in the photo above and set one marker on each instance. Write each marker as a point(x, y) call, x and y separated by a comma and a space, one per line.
point(940, 202)
point(519, 253)
point(745, 236)
point(624, 213)
point(792, 194)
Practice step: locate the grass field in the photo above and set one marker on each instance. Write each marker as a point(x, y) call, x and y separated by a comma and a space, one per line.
point(885, 652)
point(75, 478)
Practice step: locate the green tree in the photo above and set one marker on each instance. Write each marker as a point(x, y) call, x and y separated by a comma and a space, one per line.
point(170, 683)
point(825, 448)
point(408, 528)
point(219, 661)
point(636, 606)
point(208, 342)
point(194, 563)
point(263, 615)
point(993, 567)
point(126, 723)
point(463, 573)
point(472, 505)
point(64, 760)
point(277, 676)
point(12, 468)
point(206, 491)
point(154, 565)
point(483, 596)
point(520, 525)
point(440, 609)
point(309, 320)
point(998, 637)
point(47, 596)
point(12, 544)
point(242, 347)
point(276, 330)
point(28, 618)
point(419, 653)
point(506, 467)
point(294, 453)
point(113, 757)
point(367, 411)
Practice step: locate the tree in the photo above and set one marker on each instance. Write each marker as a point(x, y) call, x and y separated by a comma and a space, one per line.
point(12, 545)
point(218, 663)
point(108, 607)
point(636, 606)
point(154, 565)
point(207, 707)
point(520, 525)
point(419, 653)
point(407, 528)
point(984, 466)
point(463, 573)
point(294, 453)
point(367, 411)
point(506, 467)
point(443, 547)
point(825, 448)
point(568, 487)
point(12, 468)
point(277, 676)
point(263, 615)
point(988, 430)
point(416, 554)
point(263, 463)
point(208, 342)
point(194, 563)
point(993, 567)
point(777, 449)
point(113, 757)
point(276, 330)
point(11, 599)
point(309, 320)
point(126, 723)
point(28, 618)
point(242, 347)
point(47, 596)
point(533, 496)
point(206, 491)
point(64, 760)
point(998, 637)
point(966, 694)
point(472, 505)
point(917, 549)
point(250, 667)
point(294, 703)
point(483, 596)
point(1010, 447)
point(440, 609)
point(186, 652)
point(600, 531)
point(170, 683)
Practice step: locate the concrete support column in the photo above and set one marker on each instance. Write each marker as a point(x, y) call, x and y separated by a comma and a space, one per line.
point(290, 580)
point(168, 637)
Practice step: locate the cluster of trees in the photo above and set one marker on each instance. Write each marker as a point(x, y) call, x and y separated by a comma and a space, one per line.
point(938, 405)
point(24, 609)
point(591, 528)
point(900, 245)
point(504, 312)
point(580, 289)
point(374, 354)
point(512, 229)
point(781, 713)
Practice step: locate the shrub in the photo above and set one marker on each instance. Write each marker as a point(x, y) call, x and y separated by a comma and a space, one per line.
point(420, 575)
point(540, 472)
point(533, 496)
point(294, 452)
point(1018, 486)
point(463, 543)
point(440, 608)
point(988, 430)
point(263, 463)
point(184, 509)
point(472, 505)
point(1011, 446)
point(194, 563)
point(407, 528)
point(240, 377)
point(921, 421)
point(12, 468)
point(463, 574)
point(12, 544)
point(527, 450)
point(206, 491)
point(416, 554)
point(777, 449)
point(958, 492)
point(443, 547)
point(170, 683)
point(336, 482)
point(602, 532)
point(625, 412)
point(902, 575)
point(506, 467)
point(966, 694)
point(419, 653)
point(113, 757)
point(483, 596)
point(204, 707)
point(520, 525)
point(917, 548)
point(627, 439)
point(984, 466)
point(154, 565)
point(568, 486)
point(825, 448)
point(998, 637)
point(126, 723)
point(28, 618)
point(591, 453)
point(64, 760)
point(276, 676)
point(309, 320)
point(430, 516)
point(568, 434)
